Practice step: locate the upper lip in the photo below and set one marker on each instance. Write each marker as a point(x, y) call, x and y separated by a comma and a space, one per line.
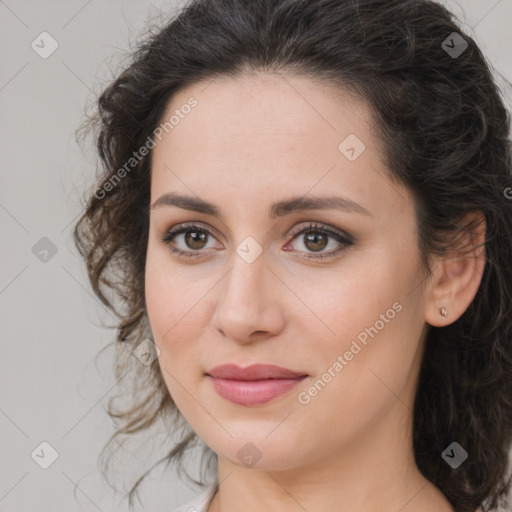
point(253, 372)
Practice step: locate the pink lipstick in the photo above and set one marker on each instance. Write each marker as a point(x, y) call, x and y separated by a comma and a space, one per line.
point(254, 385)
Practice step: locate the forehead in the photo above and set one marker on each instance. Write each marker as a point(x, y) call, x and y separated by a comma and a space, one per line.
point(273, 106)
point(269, 135)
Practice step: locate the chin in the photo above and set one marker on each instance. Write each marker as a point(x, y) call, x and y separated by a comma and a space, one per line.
point(260, 451)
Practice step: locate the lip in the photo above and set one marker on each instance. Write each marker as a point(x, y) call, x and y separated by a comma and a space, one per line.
point(253, 372)
point(254, 385)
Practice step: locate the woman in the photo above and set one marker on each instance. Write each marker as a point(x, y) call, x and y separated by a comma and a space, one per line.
point(305, 207)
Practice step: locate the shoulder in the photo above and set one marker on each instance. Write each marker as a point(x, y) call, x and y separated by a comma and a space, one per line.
point(200, 502)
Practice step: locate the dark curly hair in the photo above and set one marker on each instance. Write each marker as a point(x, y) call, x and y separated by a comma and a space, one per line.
point(445, 130)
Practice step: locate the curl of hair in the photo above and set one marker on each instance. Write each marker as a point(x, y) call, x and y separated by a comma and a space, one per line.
point(445, 133)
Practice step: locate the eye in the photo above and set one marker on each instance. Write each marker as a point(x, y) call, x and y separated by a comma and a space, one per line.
point(195, 238)
point(315, 239)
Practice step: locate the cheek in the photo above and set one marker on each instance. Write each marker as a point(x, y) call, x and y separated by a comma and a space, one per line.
point(175, 305)
point(170, 327)
point(340, 308)
point(158, 289)
point(165, 293)
point(367, 318)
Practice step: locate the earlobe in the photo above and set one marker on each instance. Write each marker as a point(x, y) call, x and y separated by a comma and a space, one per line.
point(457, 276)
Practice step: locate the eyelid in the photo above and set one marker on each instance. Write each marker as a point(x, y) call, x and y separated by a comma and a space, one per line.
point(192, 225)
point(312, 225)
point(302, 226)
point(344, 239)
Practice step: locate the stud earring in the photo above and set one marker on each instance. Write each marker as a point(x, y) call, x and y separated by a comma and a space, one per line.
point(443, 312)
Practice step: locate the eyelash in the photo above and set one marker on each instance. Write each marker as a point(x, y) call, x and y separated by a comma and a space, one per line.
point(347, 241)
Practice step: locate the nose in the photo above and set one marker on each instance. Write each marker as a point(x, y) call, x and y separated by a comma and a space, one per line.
point(248, 307)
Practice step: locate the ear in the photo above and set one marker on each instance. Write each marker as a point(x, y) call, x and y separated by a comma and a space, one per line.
point(457, 275)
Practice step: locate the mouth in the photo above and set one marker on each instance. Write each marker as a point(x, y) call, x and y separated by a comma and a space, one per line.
point(254, 385)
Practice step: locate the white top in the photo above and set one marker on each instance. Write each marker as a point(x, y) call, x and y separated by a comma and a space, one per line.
point(201, 502)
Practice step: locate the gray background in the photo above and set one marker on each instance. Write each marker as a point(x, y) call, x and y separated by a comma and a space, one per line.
point(51, 323)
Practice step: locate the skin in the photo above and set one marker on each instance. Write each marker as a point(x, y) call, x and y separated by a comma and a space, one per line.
point(252, 141)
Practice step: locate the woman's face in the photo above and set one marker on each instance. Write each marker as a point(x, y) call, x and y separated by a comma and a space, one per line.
point(255, 290)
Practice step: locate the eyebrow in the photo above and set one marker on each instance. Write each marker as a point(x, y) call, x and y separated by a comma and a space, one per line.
point(279, 209)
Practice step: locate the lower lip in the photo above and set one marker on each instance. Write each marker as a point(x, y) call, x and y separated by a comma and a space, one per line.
point(253, 392)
